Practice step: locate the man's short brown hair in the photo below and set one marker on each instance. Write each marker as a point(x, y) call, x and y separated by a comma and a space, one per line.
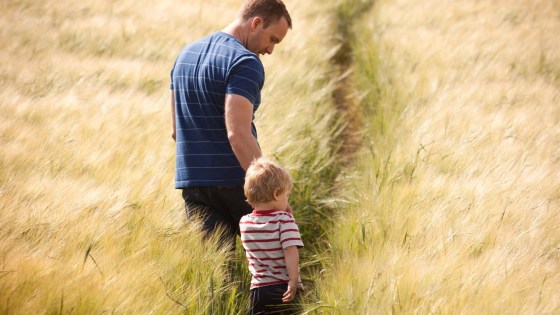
point(269, 10)
point(265, 177)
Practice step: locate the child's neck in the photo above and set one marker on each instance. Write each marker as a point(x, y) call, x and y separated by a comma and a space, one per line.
point(271, 205)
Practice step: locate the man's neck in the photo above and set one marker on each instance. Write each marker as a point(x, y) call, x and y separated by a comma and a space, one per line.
point(237, 29)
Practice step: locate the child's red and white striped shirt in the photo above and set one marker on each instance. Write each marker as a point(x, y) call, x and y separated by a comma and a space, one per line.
point(264, 235)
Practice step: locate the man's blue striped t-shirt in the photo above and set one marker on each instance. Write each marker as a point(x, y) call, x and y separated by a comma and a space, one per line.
point(203, 74)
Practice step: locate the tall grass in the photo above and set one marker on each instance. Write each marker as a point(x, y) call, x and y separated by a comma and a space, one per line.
point(457, 187)
point(422, 136)
point(89, 221)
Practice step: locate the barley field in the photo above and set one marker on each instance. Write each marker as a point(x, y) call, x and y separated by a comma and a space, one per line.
point(455, 198)
point(423, 137)
point(89, 220)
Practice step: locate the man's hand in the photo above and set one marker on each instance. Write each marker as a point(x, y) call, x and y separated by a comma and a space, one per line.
point(290, 294)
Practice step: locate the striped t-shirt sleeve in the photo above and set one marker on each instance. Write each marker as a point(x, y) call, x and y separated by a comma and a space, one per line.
point(289, 231)
point(246, 78)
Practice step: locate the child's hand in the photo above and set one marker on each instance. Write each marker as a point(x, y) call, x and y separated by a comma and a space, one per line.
point(290, 294)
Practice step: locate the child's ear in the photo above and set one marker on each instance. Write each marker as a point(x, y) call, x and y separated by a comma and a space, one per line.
point(276, 194)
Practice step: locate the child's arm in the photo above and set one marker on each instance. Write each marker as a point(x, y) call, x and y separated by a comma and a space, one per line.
point(291, 255)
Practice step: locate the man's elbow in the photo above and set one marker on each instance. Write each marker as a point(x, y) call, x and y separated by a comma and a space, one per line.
point(233, 138)
point(236, 139)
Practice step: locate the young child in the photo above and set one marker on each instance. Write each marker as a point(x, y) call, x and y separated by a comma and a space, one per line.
point(271, 239)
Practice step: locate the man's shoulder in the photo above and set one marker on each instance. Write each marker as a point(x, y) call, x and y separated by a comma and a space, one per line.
point(226, 42)
point(217, 40)
point(227, 47)
point(234, 47)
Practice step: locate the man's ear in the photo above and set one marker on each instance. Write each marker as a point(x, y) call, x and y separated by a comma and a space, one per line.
point(257, 20)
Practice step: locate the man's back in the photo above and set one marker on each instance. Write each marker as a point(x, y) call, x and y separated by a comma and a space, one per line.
point(203, 74)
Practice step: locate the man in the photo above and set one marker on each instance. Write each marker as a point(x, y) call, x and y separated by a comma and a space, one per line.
point(215, 91)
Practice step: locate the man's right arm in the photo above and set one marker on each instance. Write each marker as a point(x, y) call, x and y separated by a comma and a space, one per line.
point(174, 134)
point(239, 118)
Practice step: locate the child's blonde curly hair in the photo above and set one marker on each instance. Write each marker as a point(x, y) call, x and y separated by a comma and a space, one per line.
point(264, 178)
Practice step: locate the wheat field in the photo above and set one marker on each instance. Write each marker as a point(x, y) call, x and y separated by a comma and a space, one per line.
point(433, 188)
point(456, 195)
point(89, 220)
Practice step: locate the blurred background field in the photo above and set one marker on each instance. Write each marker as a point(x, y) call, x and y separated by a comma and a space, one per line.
point(456, 199)
point(89, 219)
point(423, 136)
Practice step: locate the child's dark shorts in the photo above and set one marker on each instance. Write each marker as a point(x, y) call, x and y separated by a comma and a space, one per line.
point(268, 300)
